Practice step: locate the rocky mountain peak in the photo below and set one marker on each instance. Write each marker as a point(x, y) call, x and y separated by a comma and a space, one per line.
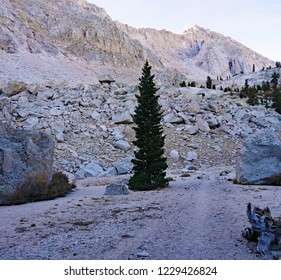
point(193, 26)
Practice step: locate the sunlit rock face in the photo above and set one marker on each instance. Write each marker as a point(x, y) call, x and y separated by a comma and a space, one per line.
point(75, 28)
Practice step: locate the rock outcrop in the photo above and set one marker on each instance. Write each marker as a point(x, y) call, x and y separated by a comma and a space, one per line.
point(259, 161)
point(66, 27)
point(26, 166)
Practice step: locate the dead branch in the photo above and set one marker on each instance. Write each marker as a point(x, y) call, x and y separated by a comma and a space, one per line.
point(265, 230)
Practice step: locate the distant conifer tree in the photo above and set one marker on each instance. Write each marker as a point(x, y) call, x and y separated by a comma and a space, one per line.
point(209, 82)
point(246, 84)
point(183, 84)
point(274, 80)
point(252, 96)
point(277, 100)
point(149, 162)
point(267, 85)
point(276, 96)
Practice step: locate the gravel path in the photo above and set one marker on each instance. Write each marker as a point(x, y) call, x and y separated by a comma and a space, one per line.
point(191, 219)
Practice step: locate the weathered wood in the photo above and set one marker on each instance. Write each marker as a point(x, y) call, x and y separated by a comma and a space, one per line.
point(265, 230)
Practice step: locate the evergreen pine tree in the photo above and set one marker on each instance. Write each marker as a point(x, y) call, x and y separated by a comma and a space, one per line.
point(149, 162)
point(277, 100)
point(183, 84)
point(252, 96)
point(209, 82)
point(267, 84)
point(193, 84)
point(274, 80)
point(246, 84)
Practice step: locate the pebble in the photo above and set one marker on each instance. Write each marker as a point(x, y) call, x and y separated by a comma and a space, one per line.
point(143, 254)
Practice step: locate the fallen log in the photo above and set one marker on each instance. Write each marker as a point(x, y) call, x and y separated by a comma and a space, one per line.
point(265, 230)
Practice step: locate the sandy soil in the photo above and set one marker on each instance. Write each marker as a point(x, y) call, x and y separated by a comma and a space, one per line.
point(191, 219)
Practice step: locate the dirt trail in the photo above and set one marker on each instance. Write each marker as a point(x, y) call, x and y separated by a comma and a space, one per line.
point(195, 223)
point(191, 219)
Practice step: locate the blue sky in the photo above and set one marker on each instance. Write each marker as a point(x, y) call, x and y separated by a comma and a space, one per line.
point(254, 23)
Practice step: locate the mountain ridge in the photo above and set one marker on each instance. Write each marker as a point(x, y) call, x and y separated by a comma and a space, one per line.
point(210, 51)
point(76, 29)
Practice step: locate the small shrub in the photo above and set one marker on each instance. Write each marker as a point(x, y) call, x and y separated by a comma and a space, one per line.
point(235, 181)
point(58, 187)
point(170, 179)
